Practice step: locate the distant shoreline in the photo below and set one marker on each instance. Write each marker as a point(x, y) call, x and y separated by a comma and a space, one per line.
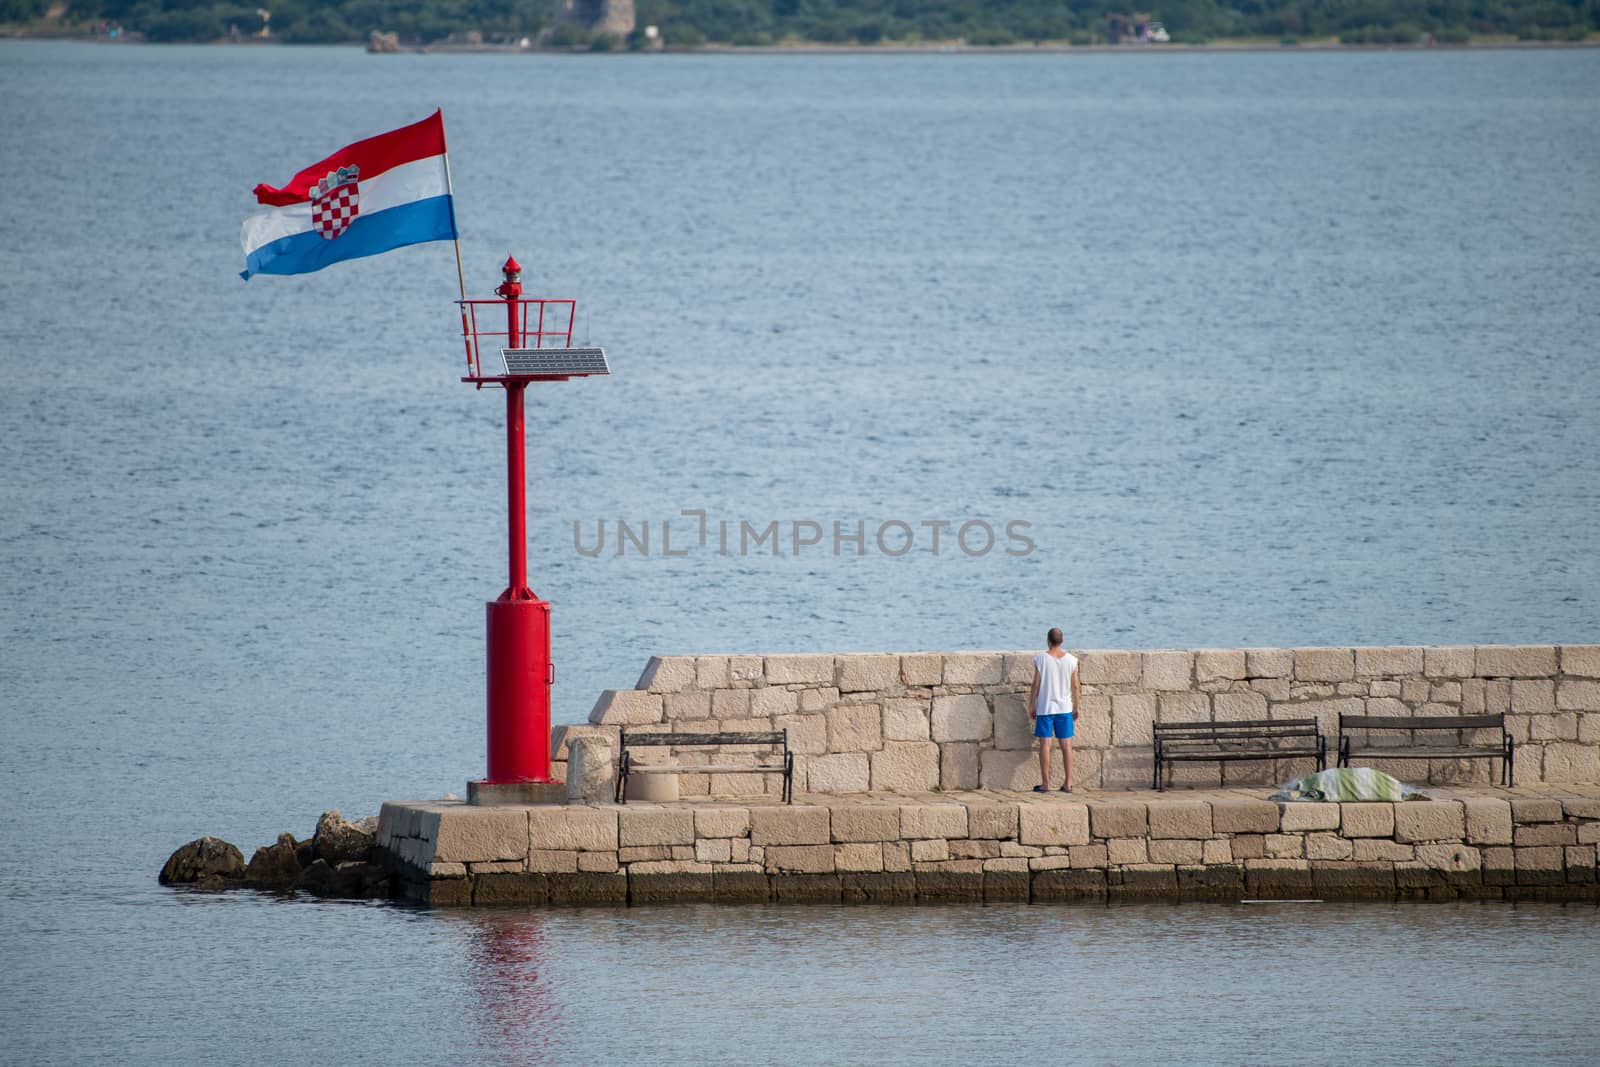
point(918, 49)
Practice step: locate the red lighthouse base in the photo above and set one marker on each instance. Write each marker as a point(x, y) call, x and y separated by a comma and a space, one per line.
point(520, 675)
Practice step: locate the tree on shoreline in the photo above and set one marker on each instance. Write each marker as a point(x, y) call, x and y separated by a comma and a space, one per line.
point(687, 23)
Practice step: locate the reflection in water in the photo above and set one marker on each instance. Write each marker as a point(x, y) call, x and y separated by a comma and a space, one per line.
point(512, 985)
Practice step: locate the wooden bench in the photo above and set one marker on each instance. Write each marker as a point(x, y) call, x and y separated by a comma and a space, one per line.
point(1213, 742)
point(1503, 749)
point(779, 761)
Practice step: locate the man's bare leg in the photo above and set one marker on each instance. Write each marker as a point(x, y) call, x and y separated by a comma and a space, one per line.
point(1066, 760)
point(1044, 762)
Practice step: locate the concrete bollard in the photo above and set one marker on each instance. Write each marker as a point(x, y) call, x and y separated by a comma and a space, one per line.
point(591, 772)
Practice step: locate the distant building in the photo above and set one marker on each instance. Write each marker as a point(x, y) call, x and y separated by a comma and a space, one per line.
point(597, 16)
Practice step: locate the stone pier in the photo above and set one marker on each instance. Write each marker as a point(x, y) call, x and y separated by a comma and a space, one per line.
point(1534, 842)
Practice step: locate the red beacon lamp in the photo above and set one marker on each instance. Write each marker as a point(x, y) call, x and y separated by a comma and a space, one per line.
point(520, 668)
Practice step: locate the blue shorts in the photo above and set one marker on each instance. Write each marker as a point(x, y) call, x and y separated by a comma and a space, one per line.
point(1053, 725)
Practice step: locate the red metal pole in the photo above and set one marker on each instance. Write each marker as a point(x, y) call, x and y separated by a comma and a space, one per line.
point(516, 494)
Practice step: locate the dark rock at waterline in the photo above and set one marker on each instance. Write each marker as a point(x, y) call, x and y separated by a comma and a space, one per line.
point(340, 841)
point(206, 863)
point(275, 866)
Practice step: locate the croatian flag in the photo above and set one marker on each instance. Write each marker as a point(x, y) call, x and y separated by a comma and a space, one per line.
point(385, 192)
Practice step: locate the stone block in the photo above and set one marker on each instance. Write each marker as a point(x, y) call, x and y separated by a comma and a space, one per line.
point(1278, 878)
point(1540, 866)
point(1143, 881)
point(951, 880)
point(1533, 696)
point(875, 823)
point(1269, 662)
point(1535, 809)
point(1050, 862)
point(1352, 880)
point(973, 668)
point(637, 826)
point(1377, 848)
point(1326, 846)
point(808, 734)
point(1184, 707)
point(1581, 807)
point(1429, 820)
point(1012, 770)
point(1581, 866)
point(730, 704)
point(548, 860)
point(799, 859)
point(820, 698)
point(906, 719)
point(1180, 819)
point(1392, 660)
point(1125, 850)
point(509, 888)
point(928, 851)
point(439, 869)
point(1167, 670)
point(1324, 664)
point(906, 766)
point(1006, 884)
point(1016, 668)
point(747, 885)
point(969, 849)
point(1013, 728)
point(932, 820)
point(685, 707)
point(1546, 833)
point(1300, 816)
point(855, 728)
point(1096, 855)
point(1218, 882)
point(1175, 851)
point(1366, 820)
point(858, 857)
point(1085, 884)
point(713, 850)
point(1244, 816)
point(1103, 667)
point(1582, 661)
point(1092, 726)
point(478, 834)
point(669, 882)
point(603, 862)
point(789, 825)
point(860, 673)
point(562, 736)
point(799, 670)
point(868, 887)
point(667, 674)
point(808, 888)
point(1455, 858)
point(721, 822)
point(749, 669)
point(1238, 706)
point(1012, 850)
point(1055, 823)
point(1448, 662)
point(1577, 696)
point(771, 702)
point(711, 672)
point(1284, 846)
point(626, 707)
point(922, 669)
point(964, 717)
point(957, 766)
point(1219, 665)
point(992, 821)
point(896, 855)
point(1515, 661)
point(1131, 717)
point(1567, 762)
point(839, 772)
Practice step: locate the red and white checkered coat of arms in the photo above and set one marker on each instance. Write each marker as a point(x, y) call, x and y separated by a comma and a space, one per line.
point(335, 202)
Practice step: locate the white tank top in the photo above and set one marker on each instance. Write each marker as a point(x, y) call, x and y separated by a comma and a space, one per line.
point(1055, 683)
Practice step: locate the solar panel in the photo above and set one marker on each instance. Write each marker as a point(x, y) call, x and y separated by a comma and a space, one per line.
point(572, 361)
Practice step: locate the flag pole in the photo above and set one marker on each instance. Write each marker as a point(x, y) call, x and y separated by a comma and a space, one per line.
point(461, 278)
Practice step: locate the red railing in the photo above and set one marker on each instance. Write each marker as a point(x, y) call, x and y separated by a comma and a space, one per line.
point(538, 320)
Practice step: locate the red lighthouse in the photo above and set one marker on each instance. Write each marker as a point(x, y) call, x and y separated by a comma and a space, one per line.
point(520, 669)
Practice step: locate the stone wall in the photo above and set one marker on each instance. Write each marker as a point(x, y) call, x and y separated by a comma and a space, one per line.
point(955, 720)
point(1217, 845)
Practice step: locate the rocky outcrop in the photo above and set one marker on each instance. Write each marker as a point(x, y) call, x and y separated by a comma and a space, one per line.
point(275, 866)
point(206, 863)
point(332, 862)
point(337, 841)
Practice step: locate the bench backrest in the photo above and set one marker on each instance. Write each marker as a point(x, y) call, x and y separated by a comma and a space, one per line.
point(1237, 730)
point(1422, 722)
point(659, 740)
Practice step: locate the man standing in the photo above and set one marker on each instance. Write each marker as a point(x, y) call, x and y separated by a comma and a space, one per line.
point(1053, 706)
